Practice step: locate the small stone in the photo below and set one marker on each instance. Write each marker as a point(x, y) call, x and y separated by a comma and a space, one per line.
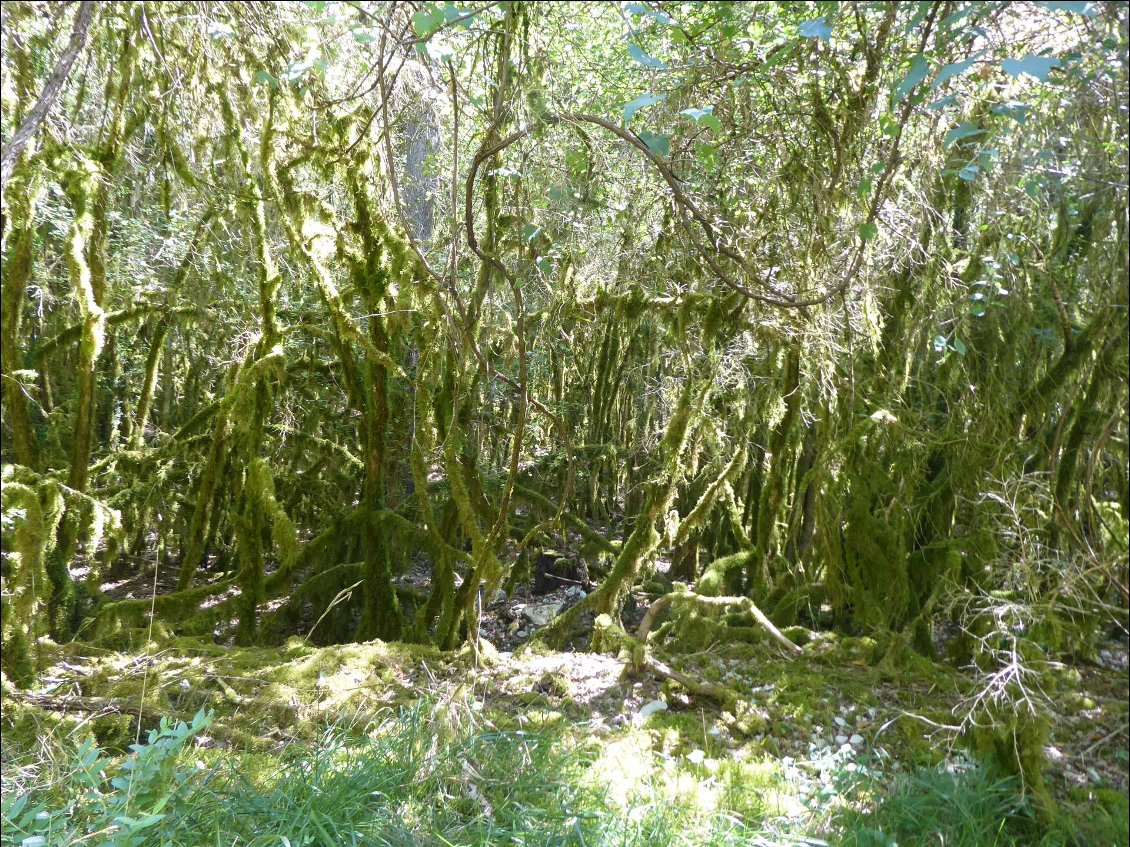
point(856, 740)
point(840, 721)
point(541, 615)
point(841, 739)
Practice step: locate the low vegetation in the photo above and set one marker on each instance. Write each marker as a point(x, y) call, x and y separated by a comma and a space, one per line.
point(428, 423)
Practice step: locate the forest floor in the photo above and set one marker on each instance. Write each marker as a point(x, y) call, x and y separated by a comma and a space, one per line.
point(793, 745)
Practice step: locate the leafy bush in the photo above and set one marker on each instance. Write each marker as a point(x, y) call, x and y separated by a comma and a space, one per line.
point(135, 802)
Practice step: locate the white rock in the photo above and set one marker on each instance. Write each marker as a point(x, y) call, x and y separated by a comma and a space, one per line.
point(696, 757)
point(541, 615)
point(649, 709)
point(840, 721)
point(841, 739)
point(856, 740)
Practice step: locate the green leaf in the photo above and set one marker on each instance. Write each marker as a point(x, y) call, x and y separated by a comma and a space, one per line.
point(637, 53)
point(544, 265)
point(425, 23)
point(704, 116)
point(1073, 6)
point(658, 144)
point(1037, 66)
point(920, 14)
point(530, 232)
point(577, 161)
point(642, 102)
point(868, 231)
point(950, 71)
point(863, 190)
point(939, 343)
point(969, 172)
point(264, 78)
point(707, 154)
point(296, 70)
point(640, 10)
point(957, 16)
point(959, 346)
point(963, 131)
point(942, 102)
point(1014, 110)
point(919, 67)
point(362, 36)
point(712, 123)
point(315, 5)
point(815, 28)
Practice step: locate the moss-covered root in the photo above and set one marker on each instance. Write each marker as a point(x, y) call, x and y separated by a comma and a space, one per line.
point(608, 636)
point(745, 604)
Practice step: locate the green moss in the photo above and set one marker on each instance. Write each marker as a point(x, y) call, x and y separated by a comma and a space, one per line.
point(723, 577)
point(1010, 741)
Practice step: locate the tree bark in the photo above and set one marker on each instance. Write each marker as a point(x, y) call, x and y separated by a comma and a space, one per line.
point(50, 94)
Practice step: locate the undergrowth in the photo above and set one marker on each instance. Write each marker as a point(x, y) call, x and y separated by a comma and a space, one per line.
point(441, 773)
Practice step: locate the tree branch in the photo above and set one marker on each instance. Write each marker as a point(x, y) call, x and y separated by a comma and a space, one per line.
point(46, 100)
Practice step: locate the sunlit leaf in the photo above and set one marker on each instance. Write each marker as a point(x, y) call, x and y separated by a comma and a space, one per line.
point(942, 102)
point(950, 71)
point(815, 28)
point(963, 131)
point(640, 10)
point(704, 116)
point(868, 231)
point(919, 67)
point(1014, 110)
point(1037, 66)
point(642, 102)
point(1078, 7)
point(658, 144)
point(425, 23)
point(264, 78)
point(637, 53)
point(219, 30)
point(950, 20)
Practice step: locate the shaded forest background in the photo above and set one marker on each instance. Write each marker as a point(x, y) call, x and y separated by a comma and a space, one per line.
point(817, 310)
